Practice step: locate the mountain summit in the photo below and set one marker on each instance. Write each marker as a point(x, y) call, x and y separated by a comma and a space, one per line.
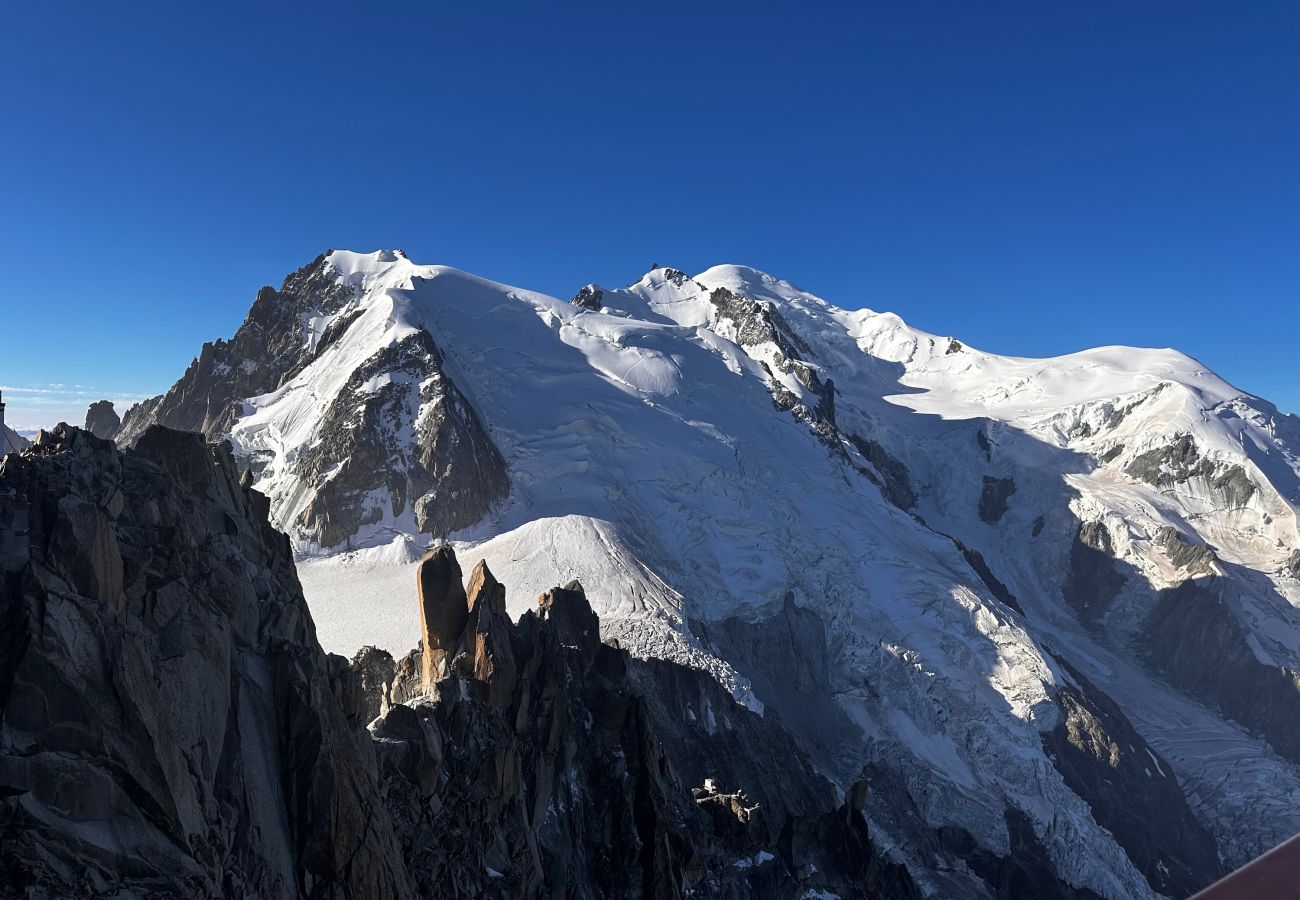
point(1047, 606)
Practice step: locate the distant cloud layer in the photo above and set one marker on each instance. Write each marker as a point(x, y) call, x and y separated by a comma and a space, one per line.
point(41, 405)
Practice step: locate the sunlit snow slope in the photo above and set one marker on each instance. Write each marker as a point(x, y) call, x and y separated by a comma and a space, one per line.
point(1046, 592)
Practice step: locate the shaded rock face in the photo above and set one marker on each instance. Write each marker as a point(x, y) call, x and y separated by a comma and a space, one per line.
point(1131, 789)
point(102, 420)
point(994, 496)
point(787, 654)
point(1293, 564)
point(976, 561)
point(168, 724)
point(1189, 635)
point(1193, 639)
point(543, 762)
point(1094, 579)
point(373, 671)
point(449, 476)
point(889, 472)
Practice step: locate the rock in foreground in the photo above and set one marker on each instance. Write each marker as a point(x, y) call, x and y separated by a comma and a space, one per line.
point(170, 727)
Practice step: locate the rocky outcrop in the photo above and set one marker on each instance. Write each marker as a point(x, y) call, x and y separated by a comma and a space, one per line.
point(590, 298)
point(1194, 559)
point(543, 762)
point(374, 670)
point(1181, 461)
point(976, 561)
point(168, 724)
point(754, 323)
point(887, 471)
point(1131, 790)
point(444, 610)
point(102, 419)
point(994, 496)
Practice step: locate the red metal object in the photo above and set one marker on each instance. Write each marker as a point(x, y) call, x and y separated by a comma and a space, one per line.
point(1273, 876)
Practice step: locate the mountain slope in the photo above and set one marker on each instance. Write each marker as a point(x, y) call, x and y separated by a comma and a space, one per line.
point(170, 727)
point(1002, 581)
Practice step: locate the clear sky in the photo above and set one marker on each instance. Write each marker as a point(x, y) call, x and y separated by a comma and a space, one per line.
point(1033, 178)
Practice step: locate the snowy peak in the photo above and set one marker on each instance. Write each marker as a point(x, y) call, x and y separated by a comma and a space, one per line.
point(946, 565)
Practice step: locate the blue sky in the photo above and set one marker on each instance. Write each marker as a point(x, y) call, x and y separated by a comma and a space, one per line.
point(1032, 178)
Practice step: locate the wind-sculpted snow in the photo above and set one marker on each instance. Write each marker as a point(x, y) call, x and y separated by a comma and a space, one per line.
point(698, 450)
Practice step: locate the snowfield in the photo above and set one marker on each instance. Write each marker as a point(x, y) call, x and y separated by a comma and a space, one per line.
point(647, 459)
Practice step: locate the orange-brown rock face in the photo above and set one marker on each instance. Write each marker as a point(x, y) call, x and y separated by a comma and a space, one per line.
point(488, 638)
point(443, 612)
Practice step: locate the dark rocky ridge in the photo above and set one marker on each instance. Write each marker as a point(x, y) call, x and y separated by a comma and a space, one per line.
point(157, 654)
point(976, 561)
point(889, 472)
point(759, 322)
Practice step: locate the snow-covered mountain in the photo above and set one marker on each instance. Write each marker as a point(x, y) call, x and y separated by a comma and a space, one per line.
point(1050, 606)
